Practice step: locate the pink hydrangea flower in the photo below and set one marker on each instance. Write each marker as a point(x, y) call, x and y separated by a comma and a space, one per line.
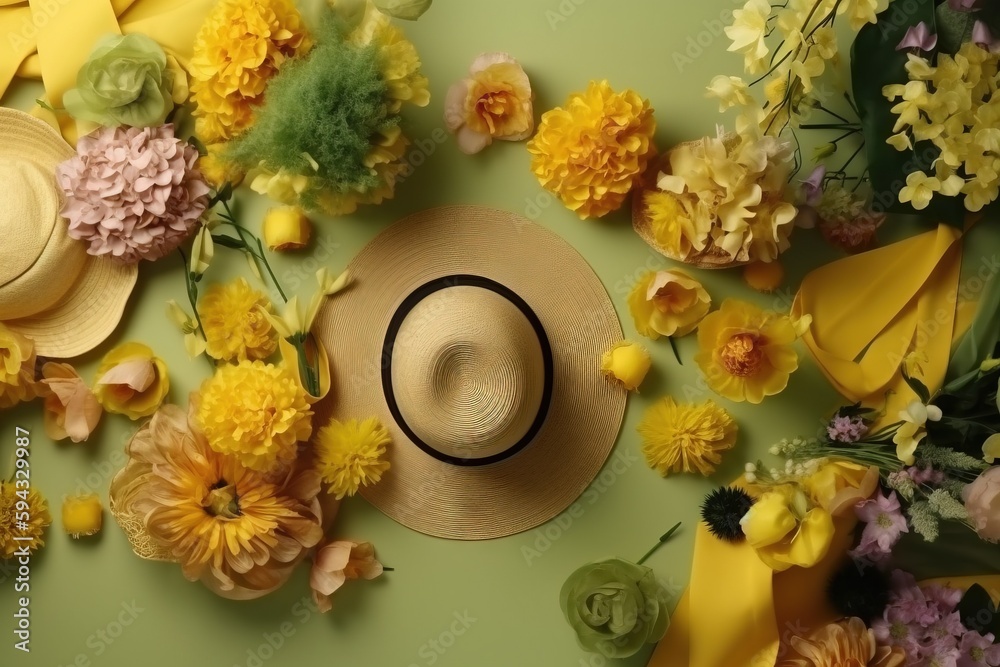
point(846, 429)
point(976, 650)
point(884, 521)
point(132, 193)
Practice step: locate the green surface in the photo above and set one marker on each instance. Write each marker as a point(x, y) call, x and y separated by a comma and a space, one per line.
point(94, 602)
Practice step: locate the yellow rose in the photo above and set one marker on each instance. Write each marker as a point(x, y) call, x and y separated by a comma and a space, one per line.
point(131, 381)
point(667, 303)
point(785, 531)
point(840, 485)
point(626, 362)
point(286, 228)
point(17, 368)
point(493, 102)
point(82, 515)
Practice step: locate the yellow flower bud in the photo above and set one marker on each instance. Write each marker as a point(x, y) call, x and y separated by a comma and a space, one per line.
point(626, 362)
point(82, 515)
point(764, 276)
point(824, 151)
point(286, 228)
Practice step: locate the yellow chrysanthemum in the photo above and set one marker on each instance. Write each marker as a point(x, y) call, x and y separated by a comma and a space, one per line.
point(241, 45)
point(592, 151)
point(238, 531)
point(15, 523)
point(234, 324)
point(745, 352)
point(17, 369)
point(674, 228)
point(686, 438)
point(351, 454)
point(255, 412)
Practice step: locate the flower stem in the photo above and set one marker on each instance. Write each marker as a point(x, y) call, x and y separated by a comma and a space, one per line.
point(666, 536)
point(673, 346)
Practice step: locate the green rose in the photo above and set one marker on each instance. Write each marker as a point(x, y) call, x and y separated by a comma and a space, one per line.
point(124, 82)
point(615, 607)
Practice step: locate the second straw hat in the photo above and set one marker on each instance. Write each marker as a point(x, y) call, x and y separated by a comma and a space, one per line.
point(475, 337)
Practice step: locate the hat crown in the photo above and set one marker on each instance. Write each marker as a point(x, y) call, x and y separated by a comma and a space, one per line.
point(28, 213)
point(468, 372)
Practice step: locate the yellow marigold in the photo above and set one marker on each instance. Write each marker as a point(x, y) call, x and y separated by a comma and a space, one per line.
point(239, 531)
point(17, 369)
point(82, 515)
point(676, 229)
point(241, 45)
point(398, 59)
point(667, 303)
point(352, 454)
point(592, 151)
point(745, 352)
point(218, 171)
point(15, 523)
point(255, 412)
point(686, 438)
point(235, 326)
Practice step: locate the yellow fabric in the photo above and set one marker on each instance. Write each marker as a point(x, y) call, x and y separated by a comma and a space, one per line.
point(870, 310)
point(51, 39)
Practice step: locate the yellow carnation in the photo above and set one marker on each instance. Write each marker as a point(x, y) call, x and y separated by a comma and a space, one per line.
point(592, 151)
point(15, 523)
point(352, 454)
point(17, 369)
point(235, 326)
point(241, 45)
point(132, 381)
point(667, 303)
point(745, 352)
point(686, 438)
point(254, 412)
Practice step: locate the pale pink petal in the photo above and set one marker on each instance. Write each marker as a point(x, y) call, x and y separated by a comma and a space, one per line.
point(471, 142)
point(137, 374)
point(485, 60)
point(454, 106)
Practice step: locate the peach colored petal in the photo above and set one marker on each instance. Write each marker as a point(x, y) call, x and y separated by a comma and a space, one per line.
point(470, 141)
point(454, 106)
point(137, 374)
point(486, 60)
point(71, 410)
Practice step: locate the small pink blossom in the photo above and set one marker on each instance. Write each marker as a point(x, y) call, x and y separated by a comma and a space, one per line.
point(976, 650)
point(918, 37)
point(884, 521)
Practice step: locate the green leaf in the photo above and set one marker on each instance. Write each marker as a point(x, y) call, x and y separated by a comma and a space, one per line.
point(197, 143)
point(978, 612)
point(229, 241)
point(918, 387)
point(225, 193)
point(875, 63)
point(953, 28)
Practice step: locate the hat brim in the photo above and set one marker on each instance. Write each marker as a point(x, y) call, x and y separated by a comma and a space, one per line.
point(586, 411)
point(91, 310)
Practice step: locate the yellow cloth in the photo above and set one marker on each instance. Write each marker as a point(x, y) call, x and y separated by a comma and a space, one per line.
point(869, 310)
point(736, 607)
point(51, 39)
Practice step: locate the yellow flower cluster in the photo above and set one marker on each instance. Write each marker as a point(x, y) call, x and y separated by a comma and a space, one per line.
point(399, 65)
point(17, 369)
point(254, 412)
point(808, 42)
point(686, 438)
point(236, 328)
point(953, 105)
point(38, 519)
point(241, 45)
point(591, 152)
point(731, 194)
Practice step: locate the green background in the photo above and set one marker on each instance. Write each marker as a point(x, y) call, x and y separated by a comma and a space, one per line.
point(506, 590)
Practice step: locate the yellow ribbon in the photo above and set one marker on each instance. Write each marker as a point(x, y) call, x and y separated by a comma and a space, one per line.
point(869, 310)
point(51, 39)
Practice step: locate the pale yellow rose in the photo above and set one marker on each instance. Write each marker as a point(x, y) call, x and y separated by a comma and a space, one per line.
point(493, 102)
point(82, 515)
point(667, 303)
point(132, 381)
point(286, 228)
point(627, 363)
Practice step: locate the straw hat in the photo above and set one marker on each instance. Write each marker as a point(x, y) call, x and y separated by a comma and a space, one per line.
point(475, 336)
point(51, 290)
